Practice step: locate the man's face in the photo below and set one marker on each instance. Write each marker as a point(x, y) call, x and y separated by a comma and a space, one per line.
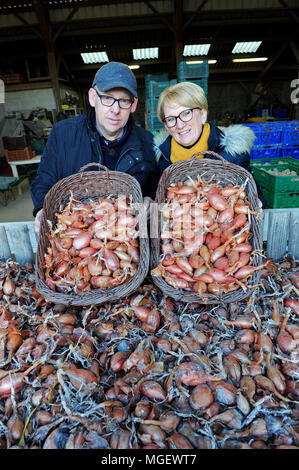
point(111, 120)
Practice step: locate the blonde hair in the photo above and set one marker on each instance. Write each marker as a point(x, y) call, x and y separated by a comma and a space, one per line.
point(184, 94)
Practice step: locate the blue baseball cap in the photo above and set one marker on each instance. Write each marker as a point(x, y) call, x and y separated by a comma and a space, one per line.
point(115, 75)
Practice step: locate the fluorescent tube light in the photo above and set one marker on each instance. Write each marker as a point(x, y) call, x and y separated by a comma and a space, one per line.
point(134, 67)
point(196, 49)
point(251, 59)
point(94, 57)
point(146, 53)
point(194, 62)
point(246, 47)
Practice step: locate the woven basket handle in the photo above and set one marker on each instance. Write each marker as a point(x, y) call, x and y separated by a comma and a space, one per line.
point(210, 153)
point(93, 164)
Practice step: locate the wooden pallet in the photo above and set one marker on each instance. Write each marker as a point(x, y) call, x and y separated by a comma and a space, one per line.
point(280, 231)
point(18, 241)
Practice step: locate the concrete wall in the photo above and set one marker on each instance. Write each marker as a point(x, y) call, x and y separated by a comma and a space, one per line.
point(26, 100)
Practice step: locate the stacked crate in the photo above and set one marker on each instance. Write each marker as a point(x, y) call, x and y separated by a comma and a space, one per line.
point(196, 73)
point(290, 139)
point(267, 140)
point(279, 190)
point(275, 139)
point(154, 85)
point(276, 146)
point(17, 148)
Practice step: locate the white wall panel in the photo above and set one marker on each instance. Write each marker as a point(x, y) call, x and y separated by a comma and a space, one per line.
point(26, 100)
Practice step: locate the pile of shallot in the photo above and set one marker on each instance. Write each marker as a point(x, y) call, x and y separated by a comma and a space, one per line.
point(147, 372)
point(205, 237)
point(93, 245)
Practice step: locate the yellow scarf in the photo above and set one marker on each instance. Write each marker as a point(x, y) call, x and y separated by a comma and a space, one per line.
point(179, 153)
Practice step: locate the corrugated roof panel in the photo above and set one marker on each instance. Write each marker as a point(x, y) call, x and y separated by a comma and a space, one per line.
point(189, 5)
point(9, 21)
point(112, 10)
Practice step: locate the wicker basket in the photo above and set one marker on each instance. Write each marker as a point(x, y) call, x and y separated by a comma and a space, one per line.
point(82, 186)
point(226, 173)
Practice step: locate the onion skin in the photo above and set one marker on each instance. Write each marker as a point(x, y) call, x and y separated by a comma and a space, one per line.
point(217, 201)
point(8, 287)
point(81, 377)
point(178, 441)
point(190, 373)
point(201, 397)
point(100, 282)
point(184, 265)
point(293, 304)
point(226, 216)
point(111, 258)
point(82, 240)
point(153, 390)
point(7, 385)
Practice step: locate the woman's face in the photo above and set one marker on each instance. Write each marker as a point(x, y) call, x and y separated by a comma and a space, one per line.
point(185, 133)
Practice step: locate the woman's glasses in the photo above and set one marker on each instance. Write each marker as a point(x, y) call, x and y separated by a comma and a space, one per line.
point(184, 116)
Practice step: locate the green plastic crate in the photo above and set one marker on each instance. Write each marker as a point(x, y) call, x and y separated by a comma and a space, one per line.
point(276, 200)
point(272, 162)
point(277, 184)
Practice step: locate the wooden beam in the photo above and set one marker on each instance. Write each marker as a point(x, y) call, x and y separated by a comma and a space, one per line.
point(54, 78)
point(140, 27)
point(278, 54)
point(68, 19)
point(295, 51)
point(289, 10)
point(189, 21)
point(44, 25)
point(27, 69)
point(31, 27)
point(178, 33)
point(46, 32)
point(170, 26)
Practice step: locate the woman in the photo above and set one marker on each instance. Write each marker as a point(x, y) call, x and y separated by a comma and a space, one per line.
point(183, 109)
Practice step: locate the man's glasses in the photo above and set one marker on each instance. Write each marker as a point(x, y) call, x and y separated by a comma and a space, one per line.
point(184, 116)
point(123, 103)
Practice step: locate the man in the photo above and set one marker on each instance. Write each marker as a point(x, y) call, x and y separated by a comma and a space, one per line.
point(107, 134)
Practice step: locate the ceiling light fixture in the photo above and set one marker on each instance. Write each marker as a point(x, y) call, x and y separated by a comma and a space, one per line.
point(251, 59)
point(196, 49)
point(146, 53)
point(246, 47)
point(94, 57)
point(134, 67)
point(194, 62)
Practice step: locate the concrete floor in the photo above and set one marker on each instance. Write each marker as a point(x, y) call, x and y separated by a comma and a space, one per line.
point(18, 209)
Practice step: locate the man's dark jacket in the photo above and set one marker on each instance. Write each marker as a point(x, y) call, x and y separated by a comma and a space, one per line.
point(75, 142)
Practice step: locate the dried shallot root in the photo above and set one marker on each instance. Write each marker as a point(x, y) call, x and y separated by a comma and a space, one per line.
point(93, 245)
point(205, 238)
point(149, 372)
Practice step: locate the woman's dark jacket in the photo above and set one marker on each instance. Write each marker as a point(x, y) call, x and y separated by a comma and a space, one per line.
point(234, 143)
point(75, 142)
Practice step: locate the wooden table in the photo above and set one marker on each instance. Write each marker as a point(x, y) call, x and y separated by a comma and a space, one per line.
point(31, 161)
